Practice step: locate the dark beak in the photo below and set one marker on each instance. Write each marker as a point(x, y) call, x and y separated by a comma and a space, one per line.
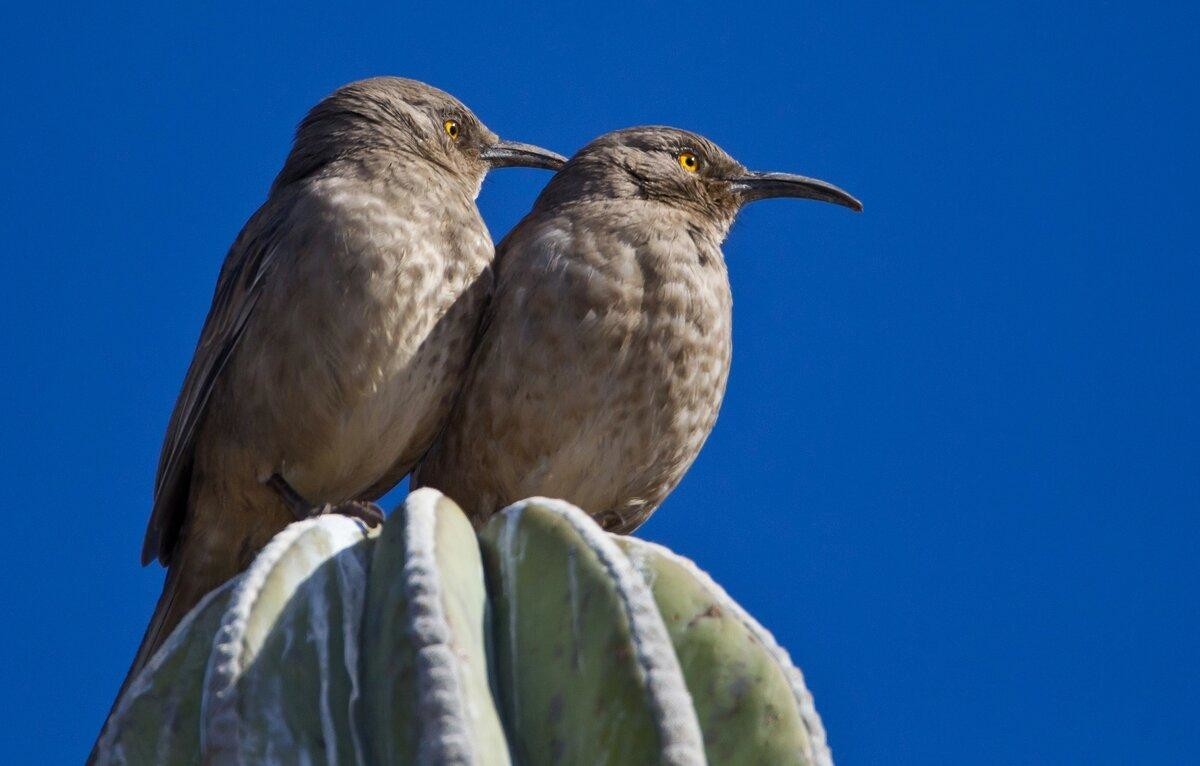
point(756, 186)
point(513, 154)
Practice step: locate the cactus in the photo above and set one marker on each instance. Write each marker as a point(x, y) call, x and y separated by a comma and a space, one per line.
point(541, 640)
point(425, 673)
point(583, 659)
point(752, 702)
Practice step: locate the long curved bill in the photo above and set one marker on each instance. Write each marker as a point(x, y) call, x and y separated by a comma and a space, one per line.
point(756, 186)
point(514, 154)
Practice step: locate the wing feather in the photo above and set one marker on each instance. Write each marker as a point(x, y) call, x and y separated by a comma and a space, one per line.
point(239, 287)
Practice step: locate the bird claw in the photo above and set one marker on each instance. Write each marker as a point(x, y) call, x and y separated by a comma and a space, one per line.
point(368, 513)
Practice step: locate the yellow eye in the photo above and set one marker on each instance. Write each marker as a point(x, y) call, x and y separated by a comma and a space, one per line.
point(452, 129)
point(689, 162)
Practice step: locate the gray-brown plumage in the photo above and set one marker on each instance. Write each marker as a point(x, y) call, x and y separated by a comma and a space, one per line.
point(604, 353)
point(341, 325)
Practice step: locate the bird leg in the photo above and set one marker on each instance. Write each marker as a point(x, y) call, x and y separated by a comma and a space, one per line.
point(368, 513)
point(365, 511)
point(299, 507)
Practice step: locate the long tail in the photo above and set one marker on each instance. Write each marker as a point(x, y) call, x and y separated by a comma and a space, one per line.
point(176, 600)
point(186, 584)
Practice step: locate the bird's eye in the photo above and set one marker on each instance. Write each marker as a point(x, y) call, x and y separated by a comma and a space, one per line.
point(452, 129)
point(688, 161)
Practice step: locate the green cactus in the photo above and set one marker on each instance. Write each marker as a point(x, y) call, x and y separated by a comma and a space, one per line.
point(752, 703)
point(158, 718)
point(283, 674)
point(542, 640)
point(583, 660)
point(425, 675)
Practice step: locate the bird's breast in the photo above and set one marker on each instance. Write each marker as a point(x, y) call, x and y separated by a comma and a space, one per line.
point(382, 314)
point(638, 346)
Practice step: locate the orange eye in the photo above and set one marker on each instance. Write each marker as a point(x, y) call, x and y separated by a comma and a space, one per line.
point(689, 162)
point(452, 129)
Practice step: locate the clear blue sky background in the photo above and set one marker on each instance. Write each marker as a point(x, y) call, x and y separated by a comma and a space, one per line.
point(957, 471)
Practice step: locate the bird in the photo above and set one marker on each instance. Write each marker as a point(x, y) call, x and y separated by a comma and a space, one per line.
point(342, 323)
point(604, 352)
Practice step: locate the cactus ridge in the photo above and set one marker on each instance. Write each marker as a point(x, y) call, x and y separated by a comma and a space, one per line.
point(440, 714)
point(113, 745)
point(425, 666)
point(820, 754)
point(679, 731)
point(538, 639)
point(252, 613)
point(178, 637)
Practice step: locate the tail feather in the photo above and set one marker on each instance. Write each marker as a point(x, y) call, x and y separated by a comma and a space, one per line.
point(169, 610)
point(184, 587)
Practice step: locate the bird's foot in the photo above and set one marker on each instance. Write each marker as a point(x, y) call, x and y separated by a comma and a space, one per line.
point(295, 502)
point(368, 513)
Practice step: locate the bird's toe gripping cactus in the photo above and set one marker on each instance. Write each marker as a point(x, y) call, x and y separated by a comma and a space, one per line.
point(559, 644)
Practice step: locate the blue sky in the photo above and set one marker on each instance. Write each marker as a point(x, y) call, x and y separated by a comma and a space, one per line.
point(957, 471)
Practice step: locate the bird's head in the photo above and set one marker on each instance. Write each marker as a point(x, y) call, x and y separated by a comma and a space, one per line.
point(677, 168)
point(409, 121)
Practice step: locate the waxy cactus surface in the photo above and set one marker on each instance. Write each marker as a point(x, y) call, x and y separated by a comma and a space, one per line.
point(541, 640)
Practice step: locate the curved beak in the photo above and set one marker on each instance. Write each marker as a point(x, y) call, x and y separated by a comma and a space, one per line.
point(514, 154)
point(756, 186)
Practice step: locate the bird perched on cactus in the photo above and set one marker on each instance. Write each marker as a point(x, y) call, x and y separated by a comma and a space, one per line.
point(341, 326)
point(604, 353)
